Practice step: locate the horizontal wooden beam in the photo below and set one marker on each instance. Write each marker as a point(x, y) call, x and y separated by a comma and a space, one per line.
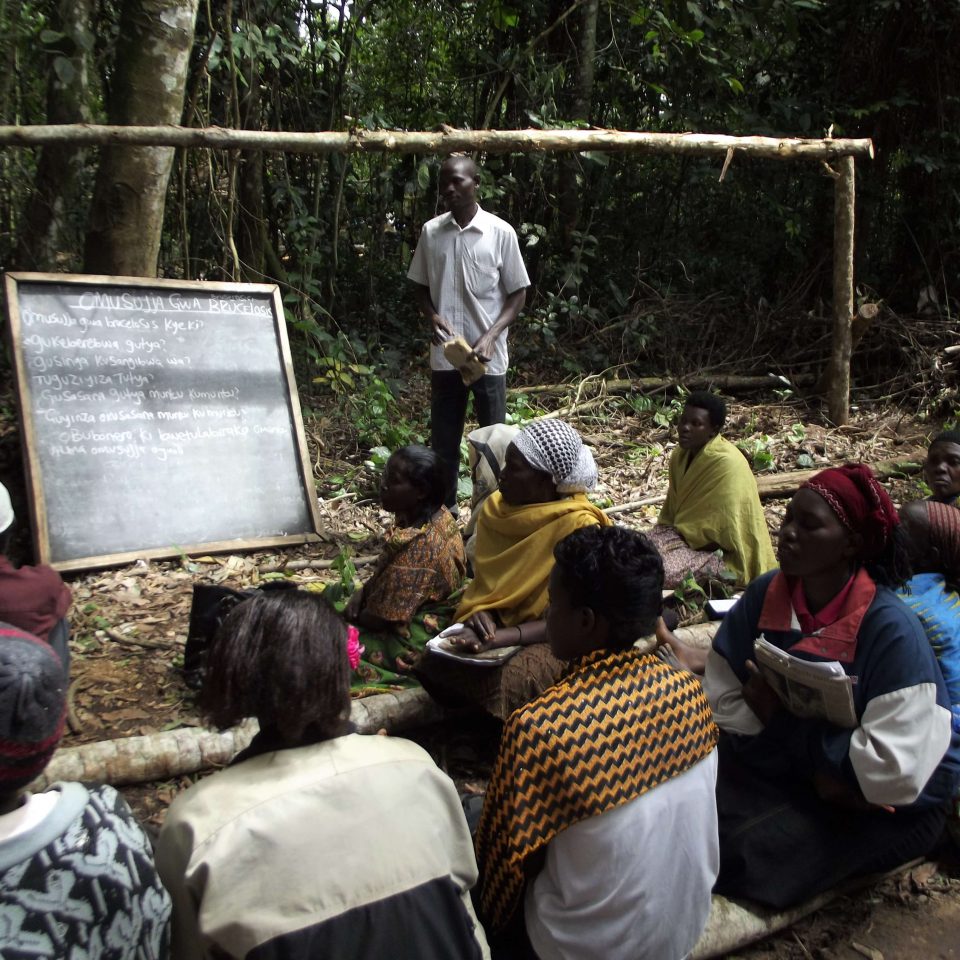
point(447, 140)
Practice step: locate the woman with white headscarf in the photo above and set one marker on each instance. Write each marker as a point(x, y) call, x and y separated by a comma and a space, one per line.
point(547, 473)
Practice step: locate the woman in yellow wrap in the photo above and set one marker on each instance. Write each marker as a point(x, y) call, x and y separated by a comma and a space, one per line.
point(712, 504)
point(542, 498)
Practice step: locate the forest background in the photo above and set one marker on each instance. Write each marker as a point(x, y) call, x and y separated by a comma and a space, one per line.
point(640, 264)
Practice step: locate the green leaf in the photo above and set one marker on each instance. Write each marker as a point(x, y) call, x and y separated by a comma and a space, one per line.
point(64, 70)
point(51, 36)
point(423, 176)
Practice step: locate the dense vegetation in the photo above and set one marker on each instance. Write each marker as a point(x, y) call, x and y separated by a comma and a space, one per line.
point(650, 261)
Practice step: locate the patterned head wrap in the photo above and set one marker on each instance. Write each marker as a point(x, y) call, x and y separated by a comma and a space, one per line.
point(944, 521)
point(860, 503)
point(556, 448)
point(33, 706)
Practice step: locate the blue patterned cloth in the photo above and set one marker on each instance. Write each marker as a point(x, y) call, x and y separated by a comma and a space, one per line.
point(938, 609)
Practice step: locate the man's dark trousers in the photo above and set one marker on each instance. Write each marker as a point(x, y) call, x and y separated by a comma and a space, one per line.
point(448, 413)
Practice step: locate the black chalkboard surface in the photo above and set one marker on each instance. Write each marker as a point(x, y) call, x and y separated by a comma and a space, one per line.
point(159, 417)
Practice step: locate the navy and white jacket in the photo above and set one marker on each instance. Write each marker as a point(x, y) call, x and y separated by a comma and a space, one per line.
point(903, 751)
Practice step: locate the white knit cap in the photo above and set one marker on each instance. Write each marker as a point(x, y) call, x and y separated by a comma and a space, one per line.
point(6, 509)
point(556, 448)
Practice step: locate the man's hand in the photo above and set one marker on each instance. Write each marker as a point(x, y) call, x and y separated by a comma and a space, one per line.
point(484, 347)
point(442, 331)
point(760, 697)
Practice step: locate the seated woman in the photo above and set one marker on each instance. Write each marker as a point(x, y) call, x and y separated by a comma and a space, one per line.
point(315, 841)
point(941, 469)
point(933, 592)
point(805, 802)
point(406, 600)
point(542, 498)
point(598, 836)
point(711, 504)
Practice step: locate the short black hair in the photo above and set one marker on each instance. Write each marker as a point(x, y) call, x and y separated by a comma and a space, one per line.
point(947, 436)
point(280, 657)
point(712, 403)
point(424, 469)
point(617, 573)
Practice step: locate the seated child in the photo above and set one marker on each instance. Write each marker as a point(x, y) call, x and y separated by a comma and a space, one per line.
point(315, 841)
point(77, 877)
point(941, 469)
point(598, 837)
point(34, 599)
point(422, 564)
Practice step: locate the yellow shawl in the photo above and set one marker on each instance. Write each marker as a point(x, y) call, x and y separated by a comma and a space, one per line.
point(515, 554)
point(714, 501)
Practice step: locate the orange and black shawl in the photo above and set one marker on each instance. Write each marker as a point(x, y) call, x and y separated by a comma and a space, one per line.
point(614, 727)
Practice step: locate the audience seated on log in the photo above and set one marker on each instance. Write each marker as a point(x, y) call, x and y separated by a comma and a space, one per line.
point(34, 599)
point(712, 504)
point(315, 841)
point(77, 877)
point(598, 836)
point(805, 802)
point(542, 498)
point(422, 565)
point(941, 469)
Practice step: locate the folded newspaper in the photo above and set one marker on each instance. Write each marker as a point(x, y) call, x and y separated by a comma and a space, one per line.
point(816, 690)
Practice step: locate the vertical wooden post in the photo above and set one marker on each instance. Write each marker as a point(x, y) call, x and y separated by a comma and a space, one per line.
point(838, 382)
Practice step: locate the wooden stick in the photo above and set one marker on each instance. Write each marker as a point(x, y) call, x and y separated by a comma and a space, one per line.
point(838, 392)
point(447, 140)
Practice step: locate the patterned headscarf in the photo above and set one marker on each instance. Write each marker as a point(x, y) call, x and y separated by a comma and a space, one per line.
point(33, 706)
point(556, 448)
point(944, 521)
point(860, 504)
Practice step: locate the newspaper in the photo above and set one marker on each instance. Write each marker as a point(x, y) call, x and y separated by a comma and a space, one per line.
point(808, 689)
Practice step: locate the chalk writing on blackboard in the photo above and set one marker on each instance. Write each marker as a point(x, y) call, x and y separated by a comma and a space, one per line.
point(157, 414)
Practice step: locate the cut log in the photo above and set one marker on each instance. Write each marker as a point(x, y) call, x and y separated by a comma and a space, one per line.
point(173, 753)
point(786, 484)
point(780, 485)
point(444, 141)
point(730, 384)
point(734, 924)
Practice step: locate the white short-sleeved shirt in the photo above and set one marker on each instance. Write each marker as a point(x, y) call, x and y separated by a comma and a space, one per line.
point(632, 883)
point(470, 273)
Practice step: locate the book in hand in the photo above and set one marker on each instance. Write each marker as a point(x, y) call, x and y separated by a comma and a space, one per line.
point(461, 355)
point(441, 646)
point(809, 689)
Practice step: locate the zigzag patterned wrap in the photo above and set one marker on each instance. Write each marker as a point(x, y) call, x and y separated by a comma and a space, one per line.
point(614, 727)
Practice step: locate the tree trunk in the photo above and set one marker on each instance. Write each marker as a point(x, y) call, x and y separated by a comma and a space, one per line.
point(126, 219)
point(46, 230)
point(569, 190)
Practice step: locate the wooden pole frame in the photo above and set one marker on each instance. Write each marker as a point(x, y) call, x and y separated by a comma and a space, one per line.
point(841, 152)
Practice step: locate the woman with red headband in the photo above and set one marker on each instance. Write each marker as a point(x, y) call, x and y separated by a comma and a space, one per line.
point(805, 801)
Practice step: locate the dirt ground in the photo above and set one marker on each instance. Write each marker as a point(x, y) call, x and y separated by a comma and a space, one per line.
point(130, 623)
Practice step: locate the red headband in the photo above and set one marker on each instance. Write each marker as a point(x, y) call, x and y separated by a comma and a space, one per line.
point(860, 503)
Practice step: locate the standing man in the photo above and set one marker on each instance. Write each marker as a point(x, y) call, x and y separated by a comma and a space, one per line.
point(471, 282)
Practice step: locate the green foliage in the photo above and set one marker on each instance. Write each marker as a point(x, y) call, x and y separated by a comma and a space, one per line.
point(758, 452)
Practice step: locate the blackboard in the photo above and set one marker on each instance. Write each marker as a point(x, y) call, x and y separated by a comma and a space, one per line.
point(159, 417)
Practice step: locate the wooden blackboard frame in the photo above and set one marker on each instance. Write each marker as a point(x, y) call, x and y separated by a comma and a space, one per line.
point(35, 487)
